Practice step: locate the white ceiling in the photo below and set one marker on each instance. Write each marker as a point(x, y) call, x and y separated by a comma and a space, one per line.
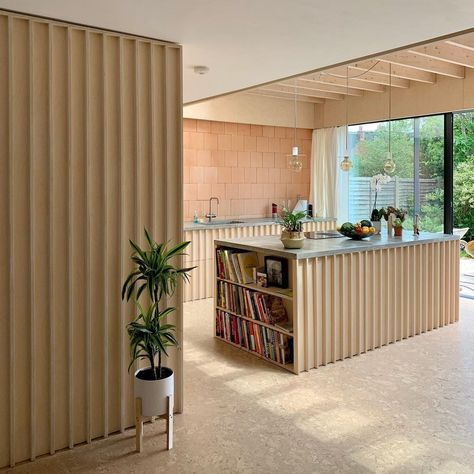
point(249, 42)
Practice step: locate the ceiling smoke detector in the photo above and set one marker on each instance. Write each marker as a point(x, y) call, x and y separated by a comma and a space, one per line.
point(201, 70)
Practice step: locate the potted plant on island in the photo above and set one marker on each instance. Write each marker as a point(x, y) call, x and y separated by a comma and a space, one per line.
point(292, 235)
point(376, 218)
point(156, 279)
point(376, 185)
point(397, 227)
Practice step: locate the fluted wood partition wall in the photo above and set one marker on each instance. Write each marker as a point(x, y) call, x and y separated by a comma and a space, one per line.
point(90, 153)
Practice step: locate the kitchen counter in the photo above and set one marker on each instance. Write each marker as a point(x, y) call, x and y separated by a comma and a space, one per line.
point(334, 246)
point(232, 223)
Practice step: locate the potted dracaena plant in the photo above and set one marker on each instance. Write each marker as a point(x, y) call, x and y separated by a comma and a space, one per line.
point(292, 235)
point(155, 279)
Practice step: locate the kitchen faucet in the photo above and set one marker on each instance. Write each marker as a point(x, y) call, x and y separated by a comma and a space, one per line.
point(210, 215)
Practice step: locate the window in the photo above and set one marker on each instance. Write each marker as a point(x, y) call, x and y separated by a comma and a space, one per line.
point(417, 183)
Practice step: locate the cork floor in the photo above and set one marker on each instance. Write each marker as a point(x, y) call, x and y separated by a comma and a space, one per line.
point(408, 407)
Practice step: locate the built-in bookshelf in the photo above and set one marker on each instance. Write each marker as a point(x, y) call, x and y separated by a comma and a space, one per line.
point(248, 316)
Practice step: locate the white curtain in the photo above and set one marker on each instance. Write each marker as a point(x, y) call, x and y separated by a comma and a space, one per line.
point(326, 152)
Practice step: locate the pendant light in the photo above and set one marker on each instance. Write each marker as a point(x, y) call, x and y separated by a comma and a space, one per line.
point(294, 162)
point(389, 165)
point(346, 163)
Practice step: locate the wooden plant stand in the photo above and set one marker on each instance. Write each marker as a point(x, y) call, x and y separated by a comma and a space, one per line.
point(139, 419)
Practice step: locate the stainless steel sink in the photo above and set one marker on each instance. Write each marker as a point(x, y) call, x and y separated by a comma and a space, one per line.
point(323, 235)
point(222, 222)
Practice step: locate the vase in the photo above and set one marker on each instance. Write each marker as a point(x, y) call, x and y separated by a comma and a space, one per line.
point(377, 225)
point(292, 240)
point(398, 231)
point(154, 393)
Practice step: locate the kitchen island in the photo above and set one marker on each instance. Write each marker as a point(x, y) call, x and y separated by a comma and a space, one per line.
point(344, 297)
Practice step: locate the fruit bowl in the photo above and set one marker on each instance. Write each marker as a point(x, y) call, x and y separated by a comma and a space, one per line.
point(358, 231)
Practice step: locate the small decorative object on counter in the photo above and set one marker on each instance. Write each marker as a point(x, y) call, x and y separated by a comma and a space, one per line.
point(358, 231)
point(196, 218)
point(390, 225)
point(396, 214)
point(310, 210)
point(397, 226)
point(416, 224)
point(292, 235)
point(274, 211)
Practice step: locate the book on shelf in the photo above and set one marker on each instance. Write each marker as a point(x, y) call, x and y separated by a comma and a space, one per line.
point(264, 341)
point(235, 265)
point(253, 305)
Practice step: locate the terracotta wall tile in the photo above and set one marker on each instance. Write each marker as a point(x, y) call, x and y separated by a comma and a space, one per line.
point(190, 157)
point(189, 125)
point(238, 175)
point(256, 130)
point(256, 159)
point(224, 175)
point(210, 141)
point(250, 143)
point(251, 175)
point(243, 159)
point(244, 165)
point(203, 126)
point(217, 127)
point(230, 158)
point(204, 158)
point(268, 131)
point(262, 144)
point(204, 191)
point(243, 129)
point(224, 142)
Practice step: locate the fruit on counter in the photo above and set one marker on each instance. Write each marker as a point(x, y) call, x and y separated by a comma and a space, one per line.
point(359, 230)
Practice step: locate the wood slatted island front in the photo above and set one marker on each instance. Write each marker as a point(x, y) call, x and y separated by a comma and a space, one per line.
point(344, 297)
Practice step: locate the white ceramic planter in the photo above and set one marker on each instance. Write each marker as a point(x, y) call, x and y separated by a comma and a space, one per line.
point(292, 240)
point(377, 225)
point(154, 393)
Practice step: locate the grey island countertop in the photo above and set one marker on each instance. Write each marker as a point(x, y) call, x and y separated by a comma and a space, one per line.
point(335, 246)
point(244, 222)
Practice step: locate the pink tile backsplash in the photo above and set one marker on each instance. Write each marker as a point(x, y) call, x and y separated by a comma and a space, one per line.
point(244, 165)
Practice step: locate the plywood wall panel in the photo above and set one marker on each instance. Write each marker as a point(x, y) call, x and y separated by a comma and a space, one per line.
point(90, 147)
point(4, 248)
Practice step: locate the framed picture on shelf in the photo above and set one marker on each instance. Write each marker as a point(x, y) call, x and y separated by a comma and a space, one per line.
point(276, 269)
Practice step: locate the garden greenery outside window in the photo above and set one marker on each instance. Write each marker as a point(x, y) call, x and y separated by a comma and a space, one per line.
point(417, 183)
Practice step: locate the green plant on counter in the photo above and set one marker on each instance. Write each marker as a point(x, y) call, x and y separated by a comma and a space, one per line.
point(399, 213)
point(155, 275)
point(397, 222)
point(291, 221)
point(377, 215)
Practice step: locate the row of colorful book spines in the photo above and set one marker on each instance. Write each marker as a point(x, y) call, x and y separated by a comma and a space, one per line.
point(242, 301)
point(225, 267)
point(264, 341)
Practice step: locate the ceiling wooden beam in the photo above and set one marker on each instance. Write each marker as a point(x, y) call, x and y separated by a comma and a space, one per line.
point(355, 83)
point(462, 41)
point(416, 61)
point(402, 72)
point(285, 89)
point(446, 52)
point(371, 76)
point(277, 95)
point(325, 87)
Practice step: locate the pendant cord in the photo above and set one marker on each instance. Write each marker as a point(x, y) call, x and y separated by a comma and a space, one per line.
point(389, 107)
point(347, 115)
point(295, 110)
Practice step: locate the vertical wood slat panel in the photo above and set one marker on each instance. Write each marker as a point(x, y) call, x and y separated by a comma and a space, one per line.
point(52, 130)
point(323, 283)
point(5, 277)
